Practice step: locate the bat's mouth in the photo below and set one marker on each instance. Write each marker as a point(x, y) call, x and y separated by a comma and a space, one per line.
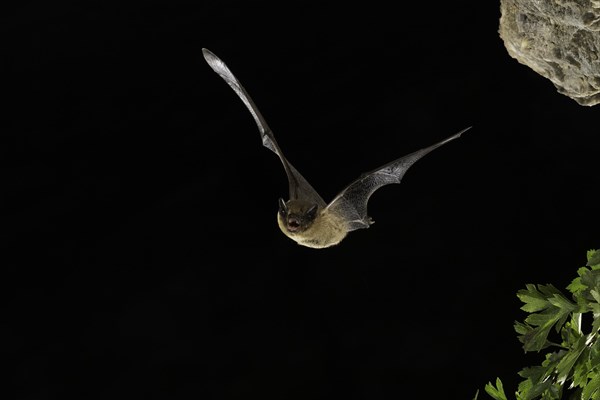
point(293, 224)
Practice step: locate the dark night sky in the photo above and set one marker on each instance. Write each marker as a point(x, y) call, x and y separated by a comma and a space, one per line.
point(142, 255)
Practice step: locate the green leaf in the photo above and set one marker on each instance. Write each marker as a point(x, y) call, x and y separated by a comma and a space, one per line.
point(538, 389)
point(536, 340)
point(525, 386)
point(591, 389)
point(534, 300)
point(574, 367)
point(534, 374)
point(548, 308)
point(522, 329)
point(496, 392)
point(558, 300)
point(591, 279)
point(593, 257)
point(576, 286)
point(563, 369)
point(581, 369)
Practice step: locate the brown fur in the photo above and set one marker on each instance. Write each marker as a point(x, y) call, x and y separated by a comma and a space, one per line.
point(326, 230)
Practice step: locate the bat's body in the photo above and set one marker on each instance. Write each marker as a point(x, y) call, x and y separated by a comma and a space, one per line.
point(327, 229)
point(305, 217)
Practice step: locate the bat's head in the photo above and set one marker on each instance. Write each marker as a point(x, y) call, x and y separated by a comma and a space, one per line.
point(296, 216)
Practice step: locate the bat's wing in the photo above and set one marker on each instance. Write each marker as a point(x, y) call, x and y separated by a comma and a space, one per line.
point(351, 203)
point(300, 189)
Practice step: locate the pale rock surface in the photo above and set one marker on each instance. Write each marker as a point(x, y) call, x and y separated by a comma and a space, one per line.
point(558, 39)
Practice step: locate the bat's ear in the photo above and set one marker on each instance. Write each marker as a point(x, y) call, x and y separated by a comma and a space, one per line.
point(282, 206)
point(312, 212)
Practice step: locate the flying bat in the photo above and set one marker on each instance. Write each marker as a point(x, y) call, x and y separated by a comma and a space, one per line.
point(305, 217)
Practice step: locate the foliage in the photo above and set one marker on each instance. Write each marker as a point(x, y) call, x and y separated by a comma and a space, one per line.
point(571, 366)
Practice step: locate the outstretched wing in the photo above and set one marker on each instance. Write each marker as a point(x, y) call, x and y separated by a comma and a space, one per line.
point(299, 188)
point(351, 203)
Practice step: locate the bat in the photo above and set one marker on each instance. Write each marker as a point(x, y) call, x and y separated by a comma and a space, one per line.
point(305, 217)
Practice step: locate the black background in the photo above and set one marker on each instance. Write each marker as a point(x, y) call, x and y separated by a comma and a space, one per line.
point(142, 257)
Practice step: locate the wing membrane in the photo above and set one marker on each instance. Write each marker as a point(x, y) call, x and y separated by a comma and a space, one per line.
point(299, 188)
point(351, 203)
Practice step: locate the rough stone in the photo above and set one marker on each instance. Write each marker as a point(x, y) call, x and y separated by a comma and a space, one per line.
point(558, 39)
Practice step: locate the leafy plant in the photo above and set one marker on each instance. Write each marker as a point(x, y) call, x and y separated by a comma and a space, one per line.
point(572, 363)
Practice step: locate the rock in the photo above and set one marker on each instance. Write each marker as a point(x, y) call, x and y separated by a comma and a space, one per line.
point(558, 39)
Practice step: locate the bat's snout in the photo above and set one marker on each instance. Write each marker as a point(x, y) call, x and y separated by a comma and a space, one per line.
point(293, 224)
